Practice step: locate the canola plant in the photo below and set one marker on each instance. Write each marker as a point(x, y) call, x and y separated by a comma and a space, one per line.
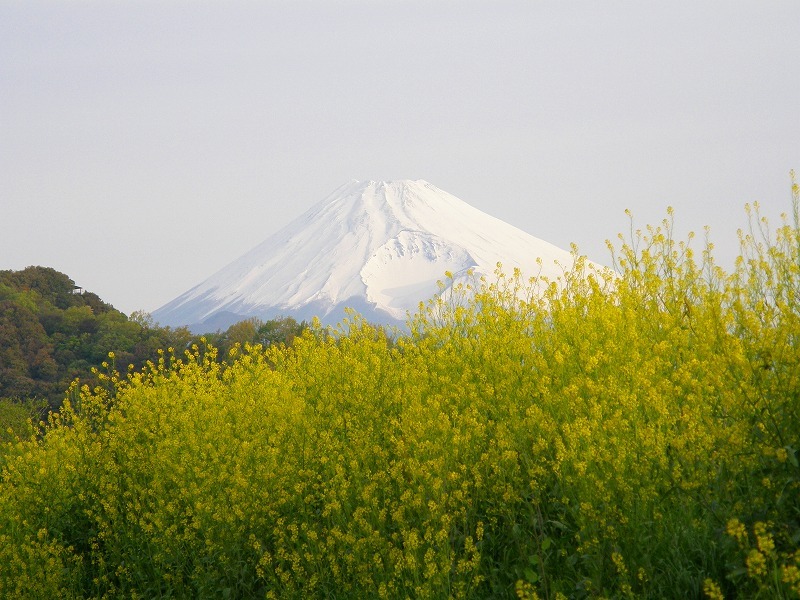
point(625, 433)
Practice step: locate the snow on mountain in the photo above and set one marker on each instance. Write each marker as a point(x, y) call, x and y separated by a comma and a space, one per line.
point(376, 246)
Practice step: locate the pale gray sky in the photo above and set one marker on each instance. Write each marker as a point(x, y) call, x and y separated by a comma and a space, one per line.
point(144, 145)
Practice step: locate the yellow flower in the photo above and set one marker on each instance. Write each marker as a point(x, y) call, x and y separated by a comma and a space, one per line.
point(737, 530)
point(764, 539)
point(712, 590)
point(756, 564)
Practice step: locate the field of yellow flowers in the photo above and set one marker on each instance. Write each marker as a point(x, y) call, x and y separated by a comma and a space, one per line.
point(625, 435)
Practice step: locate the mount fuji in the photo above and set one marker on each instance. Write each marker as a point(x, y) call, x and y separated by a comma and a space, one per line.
point(378, 247)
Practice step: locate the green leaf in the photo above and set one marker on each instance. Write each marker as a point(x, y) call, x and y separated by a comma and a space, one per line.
point(738, 572)
point(531, 575)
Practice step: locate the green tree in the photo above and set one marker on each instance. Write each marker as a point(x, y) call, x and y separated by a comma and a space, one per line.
point(281, 330)
point(53, 287)
point(26, 364)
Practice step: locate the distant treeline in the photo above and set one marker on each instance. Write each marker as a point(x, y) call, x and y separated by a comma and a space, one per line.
point(53, 332)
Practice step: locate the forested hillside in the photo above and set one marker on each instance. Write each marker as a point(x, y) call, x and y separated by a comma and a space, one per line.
point(53, 332)
point(611, 435)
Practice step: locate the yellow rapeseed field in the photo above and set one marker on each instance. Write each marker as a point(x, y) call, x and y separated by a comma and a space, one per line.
point(625, 434)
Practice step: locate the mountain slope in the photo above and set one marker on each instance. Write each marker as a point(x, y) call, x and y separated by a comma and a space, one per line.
point(378, 247)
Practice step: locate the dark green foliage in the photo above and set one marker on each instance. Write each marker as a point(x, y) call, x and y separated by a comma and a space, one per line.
point(27, 367)
point(16, 417)
point(52, 287)
point(281, 330)
point(53, 332)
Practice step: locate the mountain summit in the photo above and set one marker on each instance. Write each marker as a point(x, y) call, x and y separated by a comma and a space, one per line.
point(376, 246)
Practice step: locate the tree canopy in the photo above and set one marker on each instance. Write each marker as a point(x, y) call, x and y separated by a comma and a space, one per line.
point(53, 332)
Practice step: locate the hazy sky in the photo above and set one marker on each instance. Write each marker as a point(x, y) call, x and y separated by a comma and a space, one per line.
point(145, 145)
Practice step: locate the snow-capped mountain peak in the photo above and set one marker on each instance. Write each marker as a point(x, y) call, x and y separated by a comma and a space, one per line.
point(377, 246)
